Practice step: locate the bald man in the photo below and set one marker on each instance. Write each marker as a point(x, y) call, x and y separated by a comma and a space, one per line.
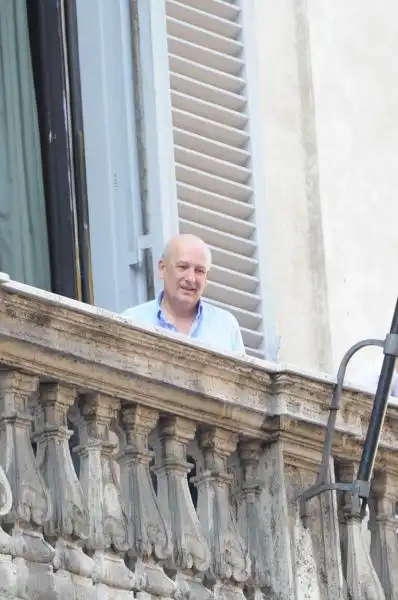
point(183, 268)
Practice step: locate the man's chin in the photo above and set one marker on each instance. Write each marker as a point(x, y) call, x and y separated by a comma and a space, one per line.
point(189, 298)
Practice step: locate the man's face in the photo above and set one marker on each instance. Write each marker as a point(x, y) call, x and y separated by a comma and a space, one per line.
point(184, 273)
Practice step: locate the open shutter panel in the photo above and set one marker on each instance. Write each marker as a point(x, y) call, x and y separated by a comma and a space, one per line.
point(212, 152)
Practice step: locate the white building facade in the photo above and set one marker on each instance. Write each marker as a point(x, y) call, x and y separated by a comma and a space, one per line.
point(267, 131)
point(137, 464)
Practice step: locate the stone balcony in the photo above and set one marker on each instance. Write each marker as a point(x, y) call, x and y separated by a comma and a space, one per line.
point(137, 465)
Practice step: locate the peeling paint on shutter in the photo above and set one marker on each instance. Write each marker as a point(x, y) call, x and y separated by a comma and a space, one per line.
point(212, 152)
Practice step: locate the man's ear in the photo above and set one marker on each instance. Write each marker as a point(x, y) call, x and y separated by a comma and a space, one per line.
point(161, 267)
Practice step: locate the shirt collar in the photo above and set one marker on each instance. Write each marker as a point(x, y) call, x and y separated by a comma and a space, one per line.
point(159, 312)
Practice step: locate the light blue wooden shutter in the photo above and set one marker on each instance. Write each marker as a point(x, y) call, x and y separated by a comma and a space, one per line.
point(212, 152)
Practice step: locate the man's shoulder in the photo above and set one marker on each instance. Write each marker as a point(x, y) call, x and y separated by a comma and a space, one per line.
point(219, 314)
point(219, 320)
point(147, 310)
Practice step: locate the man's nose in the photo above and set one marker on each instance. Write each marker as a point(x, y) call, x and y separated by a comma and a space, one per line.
point(190, 275)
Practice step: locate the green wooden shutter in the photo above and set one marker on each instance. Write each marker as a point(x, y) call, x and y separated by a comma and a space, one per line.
point(23, 230)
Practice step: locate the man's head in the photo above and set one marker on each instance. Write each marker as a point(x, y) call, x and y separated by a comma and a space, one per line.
point(183, 268)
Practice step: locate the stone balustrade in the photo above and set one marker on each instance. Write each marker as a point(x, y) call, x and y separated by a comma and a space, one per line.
point(137, 465)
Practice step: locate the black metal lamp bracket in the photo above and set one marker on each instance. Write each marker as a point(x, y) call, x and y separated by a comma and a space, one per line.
point(358, 488)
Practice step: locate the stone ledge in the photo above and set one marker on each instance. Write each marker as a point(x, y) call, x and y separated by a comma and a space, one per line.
point(94, 350)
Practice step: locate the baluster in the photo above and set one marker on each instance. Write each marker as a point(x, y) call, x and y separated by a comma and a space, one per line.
point(67, 528)
point(190, 551)
point(230, 564)
point(149, 536)
point(107, 538)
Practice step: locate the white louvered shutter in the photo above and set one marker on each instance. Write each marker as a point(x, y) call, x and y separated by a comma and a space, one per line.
point(212, 152)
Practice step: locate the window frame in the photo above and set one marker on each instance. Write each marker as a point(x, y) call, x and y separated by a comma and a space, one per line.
point(159, 143)
point(54, 49)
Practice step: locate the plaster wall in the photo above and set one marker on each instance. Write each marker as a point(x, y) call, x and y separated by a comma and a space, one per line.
point(330, 97)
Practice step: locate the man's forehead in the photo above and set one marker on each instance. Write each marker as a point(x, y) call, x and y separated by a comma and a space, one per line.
point(191, 261)
point(190, 253)
point(188, 249)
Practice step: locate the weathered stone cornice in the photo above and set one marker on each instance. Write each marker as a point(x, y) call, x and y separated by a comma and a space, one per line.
point(96, 351)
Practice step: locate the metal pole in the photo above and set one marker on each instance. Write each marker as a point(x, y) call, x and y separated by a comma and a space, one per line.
point(378, 411)
point(335, 405)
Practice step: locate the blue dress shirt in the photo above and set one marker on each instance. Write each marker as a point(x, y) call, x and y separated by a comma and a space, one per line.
point(213, 326)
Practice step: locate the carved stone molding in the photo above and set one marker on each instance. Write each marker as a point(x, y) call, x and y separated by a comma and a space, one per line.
point(107, 539)
point(90, 349)
point(361, 577)
point(252, 523)
point(149, 537)
point(383, 526)
point(68, 525)
point(230, 563)
point(190, 550)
